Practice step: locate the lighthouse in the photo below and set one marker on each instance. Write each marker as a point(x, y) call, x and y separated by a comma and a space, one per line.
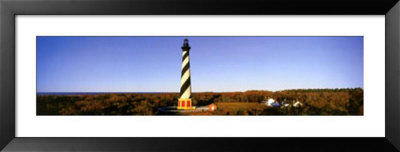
point(185, 100)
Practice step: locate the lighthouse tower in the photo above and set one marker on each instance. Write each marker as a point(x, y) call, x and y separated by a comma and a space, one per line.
point(185, 100)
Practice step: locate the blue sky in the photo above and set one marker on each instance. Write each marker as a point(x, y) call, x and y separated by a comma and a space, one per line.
point(153, 64)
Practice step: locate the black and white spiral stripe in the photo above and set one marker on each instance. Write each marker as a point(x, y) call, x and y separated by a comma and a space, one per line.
point(186, 92)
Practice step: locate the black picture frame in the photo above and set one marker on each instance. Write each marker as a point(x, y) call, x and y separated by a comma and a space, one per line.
point(10, 8)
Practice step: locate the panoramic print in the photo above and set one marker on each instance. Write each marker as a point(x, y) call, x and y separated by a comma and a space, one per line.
point(199, 75)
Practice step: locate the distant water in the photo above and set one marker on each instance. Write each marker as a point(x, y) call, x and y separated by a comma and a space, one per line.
point(94, 93)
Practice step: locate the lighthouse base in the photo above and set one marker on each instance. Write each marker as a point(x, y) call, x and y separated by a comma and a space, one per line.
point(185, 104)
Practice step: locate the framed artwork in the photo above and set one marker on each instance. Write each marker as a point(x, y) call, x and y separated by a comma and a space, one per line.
point(184, 75)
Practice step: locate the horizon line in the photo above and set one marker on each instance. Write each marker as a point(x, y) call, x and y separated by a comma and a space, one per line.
point(198, 91)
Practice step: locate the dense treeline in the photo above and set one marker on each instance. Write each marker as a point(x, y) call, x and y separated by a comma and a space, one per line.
point(314, 102)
